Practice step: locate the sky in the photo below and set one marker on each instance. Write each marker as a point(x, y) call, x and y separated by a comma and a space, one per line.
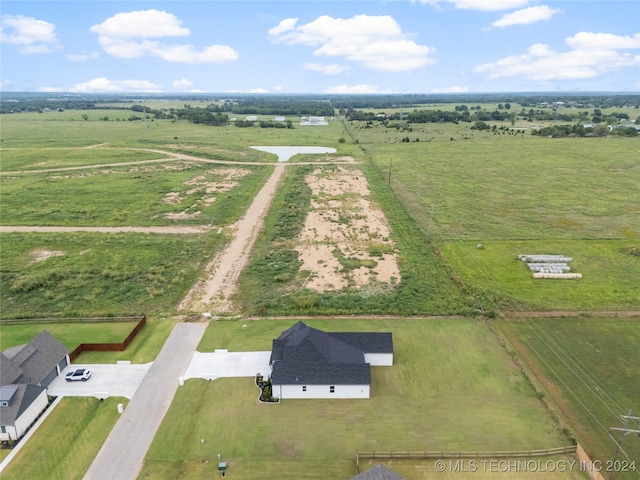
point(320, 47)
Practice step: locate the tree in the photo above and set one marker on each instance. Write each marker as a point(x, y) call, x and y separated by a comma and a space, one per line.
point(85, 117)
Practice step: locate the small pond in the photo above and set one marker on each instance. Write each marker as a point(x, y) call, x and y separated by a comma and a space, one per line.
point(285, 153)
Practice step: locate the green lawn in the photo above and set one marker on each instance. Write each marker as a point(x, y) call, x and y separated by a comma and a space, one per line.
point(68, 440)
point(452, 387)
point(589, 368)
point(144, 347)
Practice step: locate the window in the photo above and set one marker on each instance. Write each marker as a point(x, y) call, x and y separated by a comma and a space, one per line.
point(3, 429)
point(332, 389)
point(304, 388)
point(4, 403)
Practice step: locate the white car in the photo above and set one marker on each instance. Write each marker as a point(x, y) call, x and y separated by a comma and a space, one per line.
point(79, 374)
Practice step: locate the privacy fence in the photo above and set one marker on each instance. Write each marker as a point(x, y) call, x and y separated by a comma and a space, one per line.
point(108, 347)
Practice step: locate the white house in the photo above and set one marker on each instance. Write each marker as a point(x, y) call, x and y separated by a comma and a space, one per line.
point(309, 363)
point(25, 373)
point(20, 405)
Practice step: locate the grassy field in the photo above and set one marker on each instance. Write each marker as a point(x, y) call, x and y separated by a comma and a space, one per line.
point(100, 274)
point(67, 441)
point(175, 193)
point(589, 368)
point(452, 386)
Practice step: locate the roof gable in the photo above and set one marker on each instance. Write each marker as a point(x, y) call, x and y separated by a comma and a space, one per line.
point(36, 359)
point(305, 355)
point(378, 472)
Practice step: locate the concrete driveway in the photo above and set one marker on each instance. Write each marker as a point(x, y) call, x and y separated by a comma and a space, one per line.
point(119, 380)
point(223, 363)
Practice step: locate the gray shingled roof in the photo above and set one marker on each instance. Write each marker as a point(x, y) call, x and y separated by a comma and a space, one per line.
point(9, 371)
point(303, 355)
point(378, 472)
point(36, 359)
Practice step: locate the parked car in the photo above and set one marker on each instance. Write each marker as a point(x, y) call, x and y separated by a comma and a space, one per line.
point(79, 374)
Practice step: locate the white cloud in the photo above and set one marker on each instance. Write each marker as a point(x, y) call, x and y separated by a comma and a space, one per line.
point(593, 54)
point(103, 84)
point(452, 89)
point(32, 35)
point(277, 88)
point(134, 34)
point(284, 26)
point(82, 57)
point(526, 16)
point(375, 42)
point(483, 5)
point(182, 84)
point(258, 90)
point(45, 89)
point(141, 24)
point(332, 69)
point(362, 88)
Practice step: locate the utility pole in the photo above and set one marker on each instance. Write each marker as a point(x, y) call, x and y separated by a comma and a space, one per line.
point(390, 160)
point(625, 430)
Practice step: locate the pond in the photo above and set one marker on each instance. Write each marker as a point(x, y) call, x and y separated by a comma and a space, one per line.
point(285, 153)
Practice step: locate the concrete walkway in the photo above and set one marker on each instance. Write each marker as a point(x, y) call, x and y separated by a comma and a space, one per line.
point(122, 454)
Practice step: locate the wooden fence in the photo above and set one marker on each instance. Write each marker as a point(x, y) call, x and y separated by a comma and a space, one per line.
point(108, 347)
point(30, 321)
point(440, 455)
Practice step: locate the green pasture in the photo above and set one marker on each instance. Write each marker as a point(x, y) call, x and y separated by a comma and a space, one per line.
point(131, 195)
point(100, 274)
point(589, 368)
point(452, 386)
point(25, 159)
point(67, 441)
point(517, 187)
point(68, 129)
point(610, 271)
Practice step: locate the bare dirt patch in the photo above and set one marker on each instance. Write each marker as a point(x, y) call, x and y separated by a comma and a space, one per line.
point(345, 241)
point(42, 254)
point(207, 188)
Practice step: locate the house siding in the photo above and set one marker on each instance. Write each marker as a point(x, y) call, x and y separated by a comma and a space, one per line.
point(321, 391)
point(28, 416)
point(379, 359)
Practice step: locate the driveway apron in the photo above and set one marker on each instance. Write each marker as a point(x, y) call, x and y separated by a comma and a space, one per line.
point(122, 454)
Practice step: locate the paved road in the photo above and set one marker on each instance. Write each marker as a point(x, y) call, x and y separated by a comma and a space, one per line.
point(123, 452)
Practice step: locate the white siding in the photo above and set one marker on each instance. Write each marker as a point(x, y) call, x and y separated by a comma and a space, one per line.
point(379, 359)
point(321, 391)
point(30, 414)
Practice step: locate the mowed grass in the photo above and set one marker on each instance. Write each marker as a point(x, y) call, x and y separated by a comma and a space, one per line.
point(589, 368)
point(100, 274)
point(452, 387)
point(610, 273)
point(68, 440)
point(143, 348)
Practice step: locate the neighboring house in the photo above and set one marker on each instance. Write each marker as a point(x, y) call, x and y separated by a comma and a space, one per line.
point(309, 363)
point(378, 472)
point(25, 373)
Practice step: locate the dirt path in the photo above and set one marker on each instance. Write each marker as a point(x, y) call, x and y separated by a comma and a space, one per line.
point(223, 271)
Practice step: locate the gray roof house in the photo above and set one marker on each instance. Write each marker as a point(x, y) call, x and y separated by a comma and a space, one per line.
point(309, 363)
point(25, 372)
point(378, 472)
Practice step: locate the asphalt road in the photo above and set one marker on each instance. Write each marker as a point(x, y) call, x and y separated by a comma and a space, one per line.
point(122, 454)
